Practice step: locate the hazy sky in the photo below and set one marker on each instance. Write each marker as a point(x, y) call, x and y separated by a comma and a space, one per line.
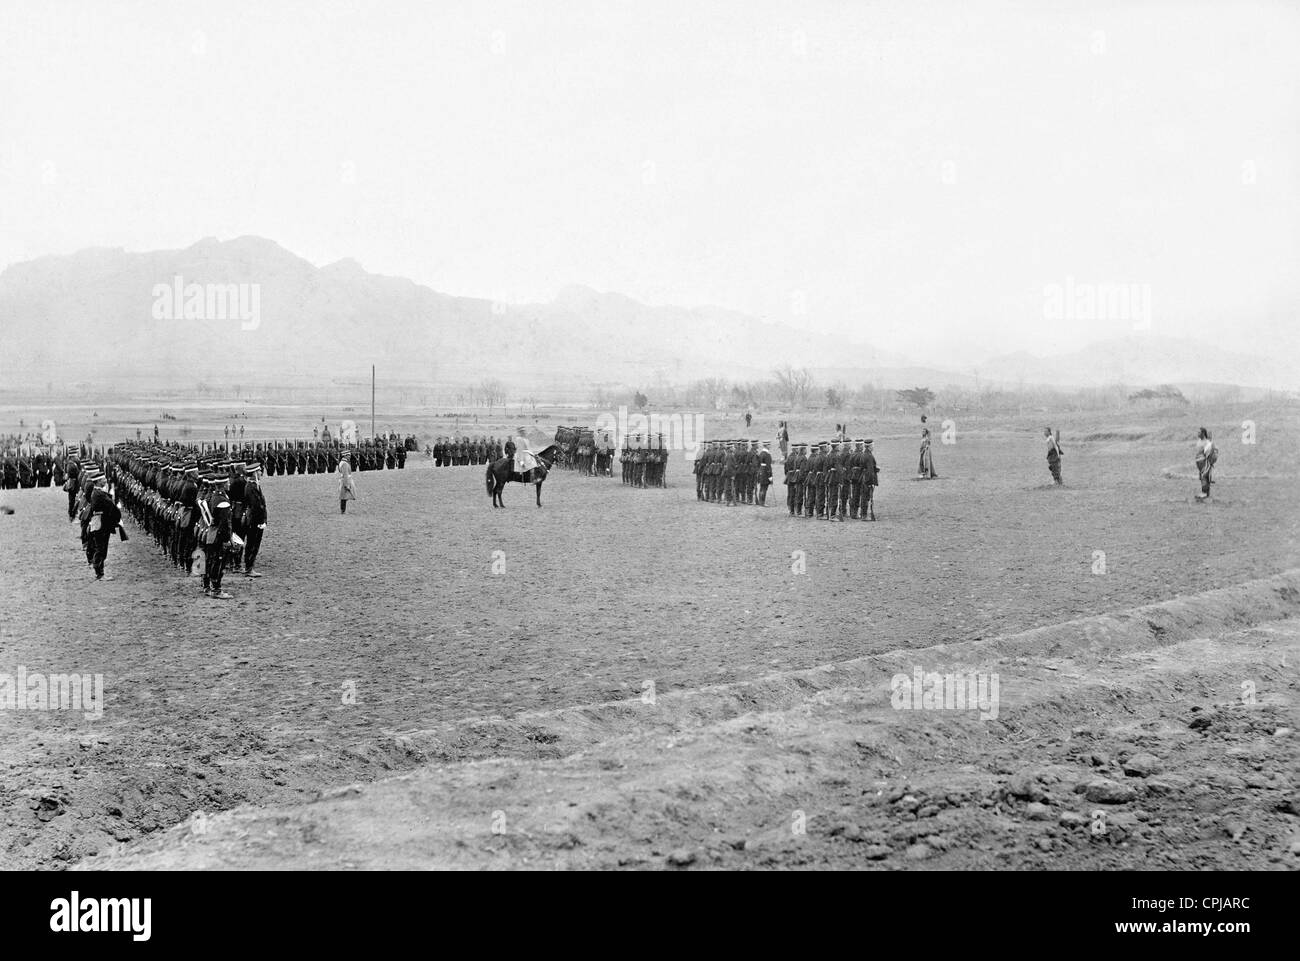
point(910, 174)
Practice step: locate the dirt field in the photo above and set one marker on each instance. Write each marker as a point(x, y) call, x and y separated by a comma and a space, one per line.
point(210, 706)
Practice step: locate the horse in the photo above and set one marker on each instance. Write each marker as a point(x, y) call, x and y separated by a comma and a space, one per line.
point(499, 473)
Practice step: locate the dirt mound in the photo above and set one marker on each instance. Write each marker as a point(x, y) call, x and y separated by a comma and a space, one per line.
point(1087, 763)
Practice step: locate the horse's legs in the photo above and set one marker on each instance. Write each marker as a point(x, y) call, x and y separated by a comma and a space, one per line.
point(539, 493)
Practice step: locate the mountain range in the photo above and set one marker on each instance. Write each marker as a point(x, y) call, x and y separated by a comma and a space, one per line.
point(167, 319)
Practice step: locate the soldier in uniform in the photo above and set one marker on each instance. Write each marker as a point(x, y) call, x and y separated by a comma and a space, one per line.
point(828, 498)
point(729, 474)
point(790, 467)
point(813, 479)
point(104, 520)
point(746, 468)
point(764, 472)
point(845, 478)
point(807, 494)
point(215, 508)
point(857, 464)
point(72, 485)
point(870, 478)
point(254, 519)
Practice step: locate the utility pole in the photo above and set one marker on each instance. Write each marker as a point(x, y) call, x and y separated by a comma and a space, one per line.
point(372, 400)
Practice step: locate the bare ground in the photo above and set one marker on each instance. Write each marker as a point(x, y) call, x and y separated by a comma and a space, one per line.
point(212, 706)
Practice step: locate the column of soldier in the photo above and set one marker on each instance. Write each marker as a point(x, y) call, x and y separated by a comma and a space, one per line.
point(644, 466)
point(207, 503)
point(214, 506)
point(322, 457)
point(466, 451)
point(732, 472)
point(832, 480)
point(30, 465)
point(586, 450)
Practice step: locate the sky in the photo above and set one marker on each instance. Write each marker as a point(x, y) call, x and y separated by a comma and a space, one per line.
point(927, 177)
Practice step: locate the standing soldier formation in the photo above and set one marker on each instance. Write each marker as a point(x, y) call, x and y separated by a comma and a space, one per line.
point(835, 481)
point(466, 451)
point(733, 472)
point(644, 460)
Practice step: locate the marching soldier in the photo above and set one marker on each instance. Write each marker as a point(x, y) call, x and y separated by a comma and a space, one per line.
point(72, 485)
point(254, 519)
point(104, 520)
point(215, 509)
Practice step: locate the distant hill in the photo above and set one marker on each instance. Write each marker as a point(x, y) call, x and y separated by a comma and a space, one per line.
point(1139, 361)
point(91, 316)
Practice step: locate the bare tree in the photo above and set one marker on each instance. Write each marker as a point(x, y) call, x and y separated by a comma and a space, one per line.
point(712, 389)
point(793, 386)
point(491, 393)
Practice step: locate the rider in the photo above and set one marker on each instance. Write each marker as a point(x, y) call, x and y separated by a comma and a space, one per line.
point(525, 460)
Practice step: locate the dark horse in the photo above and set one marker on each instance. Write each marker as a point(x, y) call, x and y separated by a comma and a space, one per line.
point(499, 472)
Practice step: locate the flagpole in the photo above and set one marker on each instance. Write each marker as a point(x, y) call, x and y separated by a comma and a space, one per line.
point(372, 401)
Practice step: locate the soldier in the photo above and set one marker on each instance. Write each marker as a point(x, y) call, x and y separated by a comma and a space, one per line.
point(729, 475)
point(104, 520)
point(857, 464)
point(747, 472)
point(1054, 454)
point(254, 519)
point(870, 477)
point(811, 479)
point(845, 478)
point(215, 508)
point(790, 469)
point(764, 472)
point(72, 485)
point(829, 497)
point(697, 468)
